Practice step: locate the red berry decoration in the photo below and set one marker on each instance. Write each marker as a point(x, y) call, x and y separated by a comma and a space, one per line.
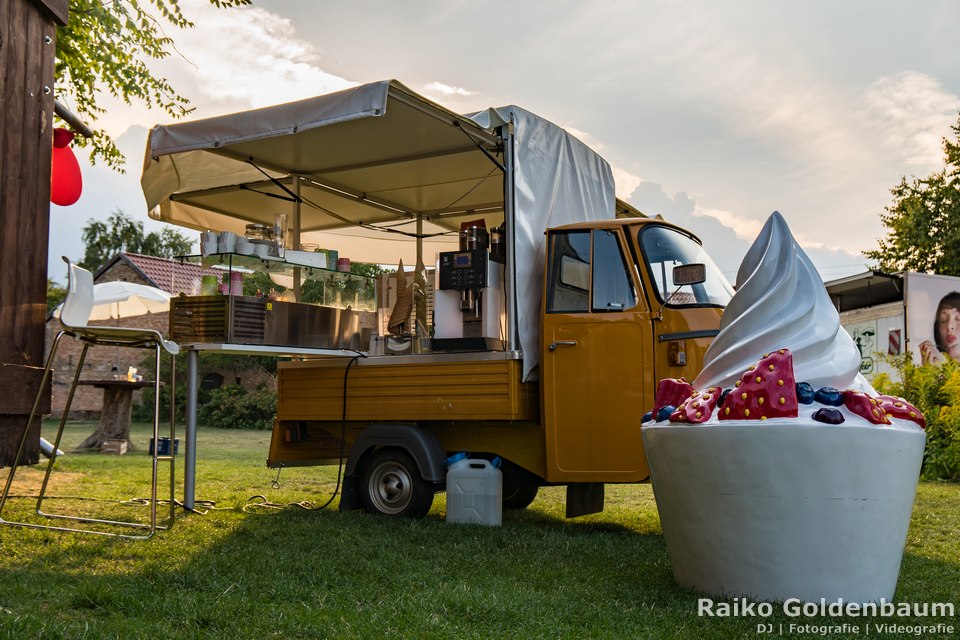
point(671, 391)
point(900, 408)
point(864, 406)
point(768, 390)
point(698, 407)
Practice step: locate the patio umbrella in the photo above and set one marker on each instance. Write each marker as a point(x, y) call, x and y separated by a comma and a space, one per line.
point(115, 300)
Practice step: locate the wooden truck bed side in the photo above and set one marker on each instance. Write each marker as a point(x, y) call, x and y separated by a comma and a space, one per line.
point(424, 388)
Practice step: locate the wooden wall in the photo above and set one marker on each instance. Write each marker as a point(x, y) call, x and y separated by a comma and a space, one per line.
point(27, 48)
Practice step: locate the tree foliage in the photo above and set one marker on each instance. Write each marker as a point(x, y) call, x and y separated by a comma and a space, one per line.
point(120, 233)
point(106, 47)
point(924, 221)
point(55, 294)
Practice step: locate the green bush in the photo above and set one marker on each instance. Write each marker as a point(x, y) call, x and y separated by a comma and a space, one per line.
point(935, 390)
point(233, 407)
point(209, 362)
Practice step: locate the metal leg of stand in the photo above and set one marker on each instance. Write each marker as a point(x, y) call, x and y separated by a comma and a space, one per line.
point(190, 437)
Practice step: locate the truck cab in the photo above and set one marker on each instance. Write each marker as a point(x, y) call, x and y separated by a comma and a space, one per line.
point(613, 324)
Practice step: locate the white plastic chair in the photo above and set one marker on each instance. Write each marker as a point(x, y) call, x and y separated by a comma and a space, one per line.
point(74, 315)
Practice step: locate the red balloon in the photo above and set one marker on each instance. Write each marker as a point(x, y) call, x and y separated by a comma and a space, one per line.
point(66, 183)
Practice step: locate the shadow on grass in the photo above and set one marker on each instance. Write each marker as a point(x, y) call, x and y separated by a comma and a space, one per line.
point(320, 574)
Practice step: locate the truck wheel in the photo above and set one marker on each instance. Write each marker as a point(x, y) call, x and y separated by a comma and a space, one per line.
point(390, 485)
point(519, 487)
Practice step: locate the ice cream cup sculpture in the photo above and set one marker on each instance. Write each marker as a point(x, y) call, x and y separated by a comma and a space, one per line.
point(779, 472)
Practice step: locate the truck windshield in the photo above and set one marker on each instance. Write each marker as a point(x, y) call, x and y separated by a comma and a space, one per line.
point(665, 248)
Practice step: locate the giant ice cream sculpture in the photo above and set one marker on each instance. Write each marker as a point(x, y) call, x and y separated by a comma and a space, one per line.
point(770, 482)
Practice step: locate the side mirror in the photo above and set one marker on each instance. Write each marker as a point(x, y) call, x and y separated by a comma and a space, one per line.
point(684, 275)
point(687, 274)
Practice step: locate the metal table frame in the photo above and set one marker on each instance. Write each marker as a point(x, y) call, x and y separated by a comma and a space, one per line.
point(193, 369)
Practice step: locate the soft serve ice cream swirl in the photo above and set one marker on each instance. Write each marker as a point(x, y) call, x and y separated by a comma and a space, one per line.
point(781, 303)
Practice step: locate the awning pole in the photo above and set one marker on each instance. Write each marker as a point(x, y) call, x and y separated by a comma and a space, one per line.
point(509, 214)
point(419, 238)
point(295, 235)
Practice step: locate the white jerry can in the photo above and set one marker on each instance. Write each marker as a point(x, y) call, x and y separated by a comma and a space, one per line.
point(474, 492)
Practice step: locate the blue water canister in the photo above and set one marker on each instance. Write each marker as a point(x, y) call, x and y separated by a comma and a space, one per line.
point(474, 492)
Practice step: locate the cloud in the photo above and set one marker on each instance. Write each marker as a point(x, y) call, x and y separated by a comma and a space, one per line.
point(233, 59)
point(447, 90)
point(745, 228)
point(254, 59)
point(912, 113)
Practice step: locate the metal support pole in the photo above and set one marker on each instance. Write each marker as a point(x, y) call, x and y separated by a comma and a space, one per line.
point(190, 437)
point(295, 236)
point(509, 214)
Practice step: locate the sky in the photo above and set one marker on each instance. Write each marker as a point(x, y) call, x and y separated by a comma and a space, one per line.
point(712, 113)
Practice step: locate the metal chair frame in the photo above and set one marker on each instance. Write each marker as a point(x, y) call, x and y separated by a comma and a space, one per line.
point(73, 317)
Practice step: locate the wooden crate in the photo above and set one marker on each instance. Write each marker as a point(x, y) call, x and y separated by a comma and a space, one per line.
point(114, 447)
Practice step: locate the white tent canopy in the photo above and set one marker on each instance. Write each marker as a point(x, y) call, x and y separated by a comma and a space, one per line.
point(379, 157)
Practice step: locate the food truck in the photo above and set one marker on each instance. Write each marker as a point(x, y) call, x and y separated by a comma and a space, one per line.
point(552, 311)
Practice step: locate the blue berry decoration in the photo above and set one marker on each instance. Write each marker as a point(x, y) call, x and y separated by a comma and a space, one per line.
point(723, 397)
point(805, 393)
point(828, 396)
point(647, 417)
point(665, 411)
point(830, 416)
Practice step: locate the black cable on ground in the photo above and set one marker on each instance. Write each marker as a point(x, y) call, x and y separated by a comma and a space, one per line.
point(306, 504)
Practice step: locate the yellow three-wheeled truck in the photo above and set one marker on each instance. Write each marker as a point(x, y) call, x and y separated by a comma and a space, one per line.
point(555, 307)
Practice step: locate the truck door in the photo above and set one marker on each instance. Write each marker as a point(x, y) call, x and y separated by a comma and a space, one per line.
point(596, 360)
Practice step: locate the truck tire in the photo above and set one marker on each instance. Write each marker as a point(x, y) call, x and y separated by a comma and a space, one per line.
point(519, 487)
point(391, 485)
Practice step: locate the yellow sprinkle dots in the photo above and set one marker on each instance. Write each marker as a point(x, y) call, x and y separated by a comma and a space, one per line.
point(876, 413)
point(746, 413)
point(699, 414)
point(898, 405)
point(763, 417)
point(783, 401)
point(781, 351)
point(726, 411)
point(780, 383)
point(696, 405)
point(706, 396)
point(743, 396)
point(739, 382)
point(766, 355)
point(913, 414)
point(759, 400)
point(759, 379)
point(771, 367)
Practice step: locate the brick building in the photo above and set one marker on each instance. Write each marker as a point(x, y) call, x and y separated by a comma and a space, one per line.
point(105, 362)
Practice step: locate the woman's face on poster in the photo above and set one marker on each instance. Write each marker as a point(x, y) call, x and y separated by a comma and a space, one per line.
point(948, 325)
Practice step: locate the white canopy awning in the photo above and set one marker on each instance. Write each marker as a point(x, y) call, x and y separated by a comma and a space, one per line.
point(372, 156)
point(367, 163)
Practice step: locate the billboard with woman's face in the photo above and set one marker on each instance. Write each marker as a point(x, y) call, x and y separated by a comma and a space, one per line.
point(933, 317)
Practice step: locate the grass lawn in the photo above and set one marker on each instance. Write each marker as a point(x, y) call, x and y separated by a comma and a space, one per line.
point(294, 573)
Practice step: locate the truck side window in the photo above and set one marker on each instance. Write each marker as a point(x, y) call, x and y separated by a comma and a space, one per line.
point(569, 275)
point(612, 288)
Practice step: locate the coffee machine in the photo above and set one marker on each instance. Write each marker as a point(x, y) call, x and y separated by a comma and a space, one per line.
point(469, 301)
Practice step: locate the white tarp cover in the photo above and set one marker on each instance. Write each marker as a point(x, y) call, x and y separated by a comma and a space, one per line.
point(379, 155)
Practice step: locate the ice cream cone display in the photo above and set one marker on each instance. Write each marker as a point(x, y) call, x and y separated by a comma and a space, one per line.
point(779, 472)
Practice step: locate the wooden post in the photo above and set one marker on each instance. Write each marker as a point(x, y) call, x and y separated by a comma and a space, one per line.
point(28, 31)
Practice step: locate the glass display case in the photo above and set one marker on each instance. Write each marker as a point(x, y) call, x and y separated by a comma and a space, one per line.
point(244, 299)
